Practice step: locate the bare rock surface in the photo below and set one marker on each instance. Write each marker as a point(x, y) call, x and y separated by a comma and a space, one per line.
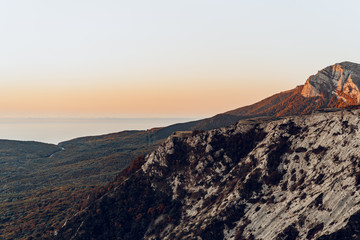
point(288, 178)
point(341, 80)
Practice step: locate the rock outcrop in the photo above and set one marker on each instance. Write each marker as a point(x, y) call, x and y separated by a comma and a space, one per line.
point(288, 178)
point(341, 80)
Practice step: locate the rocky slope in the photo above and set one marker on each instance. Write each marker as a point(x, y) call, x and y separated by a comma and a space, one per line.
point(287, 178)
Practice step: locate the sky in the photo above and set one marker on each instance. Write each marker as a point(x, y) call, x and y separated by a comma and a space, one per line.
point(188, 58)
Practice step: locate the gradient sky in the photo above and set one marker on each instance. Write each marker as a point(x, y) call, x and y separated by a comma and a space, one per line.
point(114, 58)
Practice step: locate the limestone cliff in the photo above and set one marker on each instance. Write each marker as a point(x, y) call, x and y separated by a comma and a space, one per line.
point(340, 80)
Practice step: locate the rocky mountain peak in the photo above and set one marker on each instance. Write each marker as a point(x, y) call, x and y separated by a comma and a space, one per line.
point(341, 80)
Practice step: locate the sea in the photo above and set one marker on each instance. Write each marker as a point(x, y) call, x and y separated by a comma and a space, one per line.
point(56, 130)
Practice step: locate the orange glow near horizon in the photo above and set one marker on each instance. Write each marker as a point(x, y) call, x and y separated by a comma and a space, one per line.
point(143, 99)
point(162, 58)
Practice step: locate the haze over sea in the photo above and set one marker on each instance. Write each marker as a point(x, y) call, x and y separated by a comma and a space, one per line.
point(55, 130)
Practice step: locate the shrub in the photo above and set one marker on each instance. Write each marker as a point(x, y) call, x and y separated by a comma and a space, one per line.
point(300, 149)
point(315, 230)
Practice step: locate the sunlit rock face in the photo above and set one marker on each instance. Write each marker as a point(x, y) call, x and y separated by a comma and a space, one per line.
point(340, 80)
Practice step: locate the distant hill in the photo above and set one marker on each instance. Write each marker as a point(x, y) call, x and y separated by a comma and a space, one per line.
point(43, 184)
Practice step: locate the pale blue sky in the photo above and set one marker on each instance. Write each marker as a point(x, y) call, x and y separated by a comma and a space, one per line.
point(122, 58)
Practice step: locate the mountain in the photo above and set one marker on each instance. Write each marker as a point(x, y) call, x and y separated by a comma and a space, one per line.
point(335, 86)
point(43, 184)
point(286, 178)
point(340, 81)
